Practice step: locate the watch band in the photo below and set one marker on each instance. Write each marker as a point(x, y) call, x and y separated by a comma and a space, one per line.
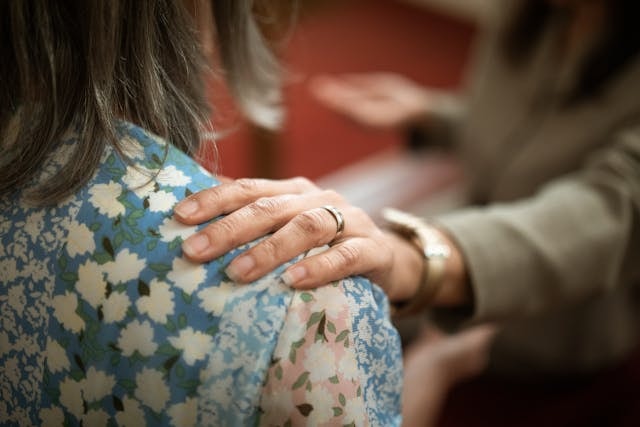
point(434, 251)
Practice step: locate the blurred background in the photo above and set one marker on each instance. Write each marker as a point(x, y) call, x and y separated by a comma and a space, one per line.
point(426, 40)
point(429, 41)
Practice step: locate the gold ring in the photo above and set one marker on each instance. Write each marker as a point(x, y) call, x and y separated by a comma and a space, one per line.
point(337, 215)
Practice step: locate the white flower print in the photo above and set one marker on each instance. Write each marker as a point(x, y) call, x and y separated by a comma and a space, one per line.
point(187, 275)
point(19, 247)
point(97, 385)
point(223, 391)
point(319, 361)
point(354, 411)
point(131, 148)
point(132, 414)
point(51, 417)
point(137, 336)
point(91, 284)
point(8, 320)
point(170, 229)
point(184, 414)
point(80, 240)
point(5, 225)
point(322, 405)
point(57, 360)
point(11, 370)
point(243, 314)
point(71, 396)
point(95, 418)
point(172, 177)
point(17, 299)
point(194, 345)
point(36, 269)
point(34, 225)
point(151, 389)
point(139, 180)
point(65, 307)
point(348, 367)
point(328, 298)
point(214, 297)
point(5, 344)
point(159, 303)
point(28, 345)
point(104, 198)
point(115, 307)
point(277, 406)
point(8, 270)
point(126, 266)
point(161, 201)
point(216, 363)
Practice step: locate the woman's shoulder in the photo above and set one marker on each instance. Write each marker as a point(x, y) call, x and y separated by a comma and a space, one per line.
point(338, 359)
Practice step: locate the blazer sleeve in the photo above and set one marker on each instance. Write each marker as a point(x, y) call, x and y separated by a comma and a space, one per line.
point(579, 236)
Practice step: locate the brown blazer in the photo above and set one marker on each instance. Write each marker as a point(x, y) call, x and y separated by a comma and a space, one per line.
point(554, 256)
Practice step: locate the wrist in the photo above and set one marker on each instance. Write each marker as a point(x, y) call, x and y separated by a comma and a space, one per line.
point(441, 278)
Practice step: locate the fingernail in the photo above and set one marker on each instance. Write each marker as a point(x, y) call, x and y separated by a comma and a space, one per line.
point(239, 267)
point(186, 208)
point(196, 244)
point(294, 275)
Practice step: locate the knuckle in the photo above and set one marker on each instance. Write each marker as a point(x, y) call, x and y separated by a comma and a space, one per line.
point(333, 196)
point(208, 197)
point(347, 254)
point(226, 228)
point(303, 183)
point(360, 215)
point(268, 206)
point(247, 185)
point(309, 222)
point(268, 249)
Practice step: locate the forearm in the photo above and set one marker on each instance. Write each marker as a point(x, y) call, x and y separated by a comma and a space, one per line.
point(572, 240)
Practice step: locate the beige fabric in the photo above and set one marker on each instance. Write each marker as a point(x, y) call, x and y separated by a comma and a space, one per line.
point(556, 255)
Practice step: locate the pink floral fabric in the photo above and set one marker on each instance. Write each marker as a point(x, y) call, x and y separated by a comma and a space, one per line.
point(314, 377)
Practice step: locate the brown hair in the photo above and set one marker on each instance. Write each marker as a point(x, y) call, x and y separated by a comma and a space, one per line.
point(87, 64)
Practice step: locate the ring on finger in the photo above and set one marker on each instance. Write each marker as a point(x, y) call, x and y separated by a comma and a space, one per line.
point(337, 215)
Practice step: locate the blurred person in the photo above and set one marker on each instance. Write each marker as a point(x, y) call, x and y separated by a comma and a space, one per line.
point(546, 253)
point(102, 321)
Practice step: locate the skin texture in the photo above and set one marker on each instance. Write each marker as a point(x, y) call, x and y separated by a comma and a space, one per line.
point(255, 207)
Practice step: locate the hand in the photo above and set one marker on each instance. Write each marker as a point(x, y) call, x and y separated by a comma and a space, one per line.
point(378, 100)
point(292, 210)
point(434, 363)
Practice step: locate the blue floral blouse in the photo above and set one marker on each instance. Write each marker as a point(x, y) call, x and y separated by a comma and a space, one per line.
point(103, 322)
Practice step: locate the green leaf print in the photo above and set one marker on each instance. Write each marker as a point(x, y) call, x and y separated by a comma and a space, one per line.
point(306, 297)
point(278, 372)
point(117, 403)
point(342, 399)
point(106, 244)
point(301, 380)
point(305, 409)
point(143, 288)
point(342, 335)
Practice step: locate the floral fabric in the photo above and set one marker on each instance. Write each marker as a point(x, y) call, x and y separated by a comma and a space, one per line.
point(102, 322)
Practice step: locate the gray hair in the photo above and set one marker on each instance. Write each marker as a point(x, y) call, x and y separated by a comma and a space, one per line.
point(86, 64)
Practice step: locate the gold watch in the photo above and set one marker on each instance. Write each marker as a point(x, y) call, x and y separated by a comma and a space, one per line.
point(433, 249)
